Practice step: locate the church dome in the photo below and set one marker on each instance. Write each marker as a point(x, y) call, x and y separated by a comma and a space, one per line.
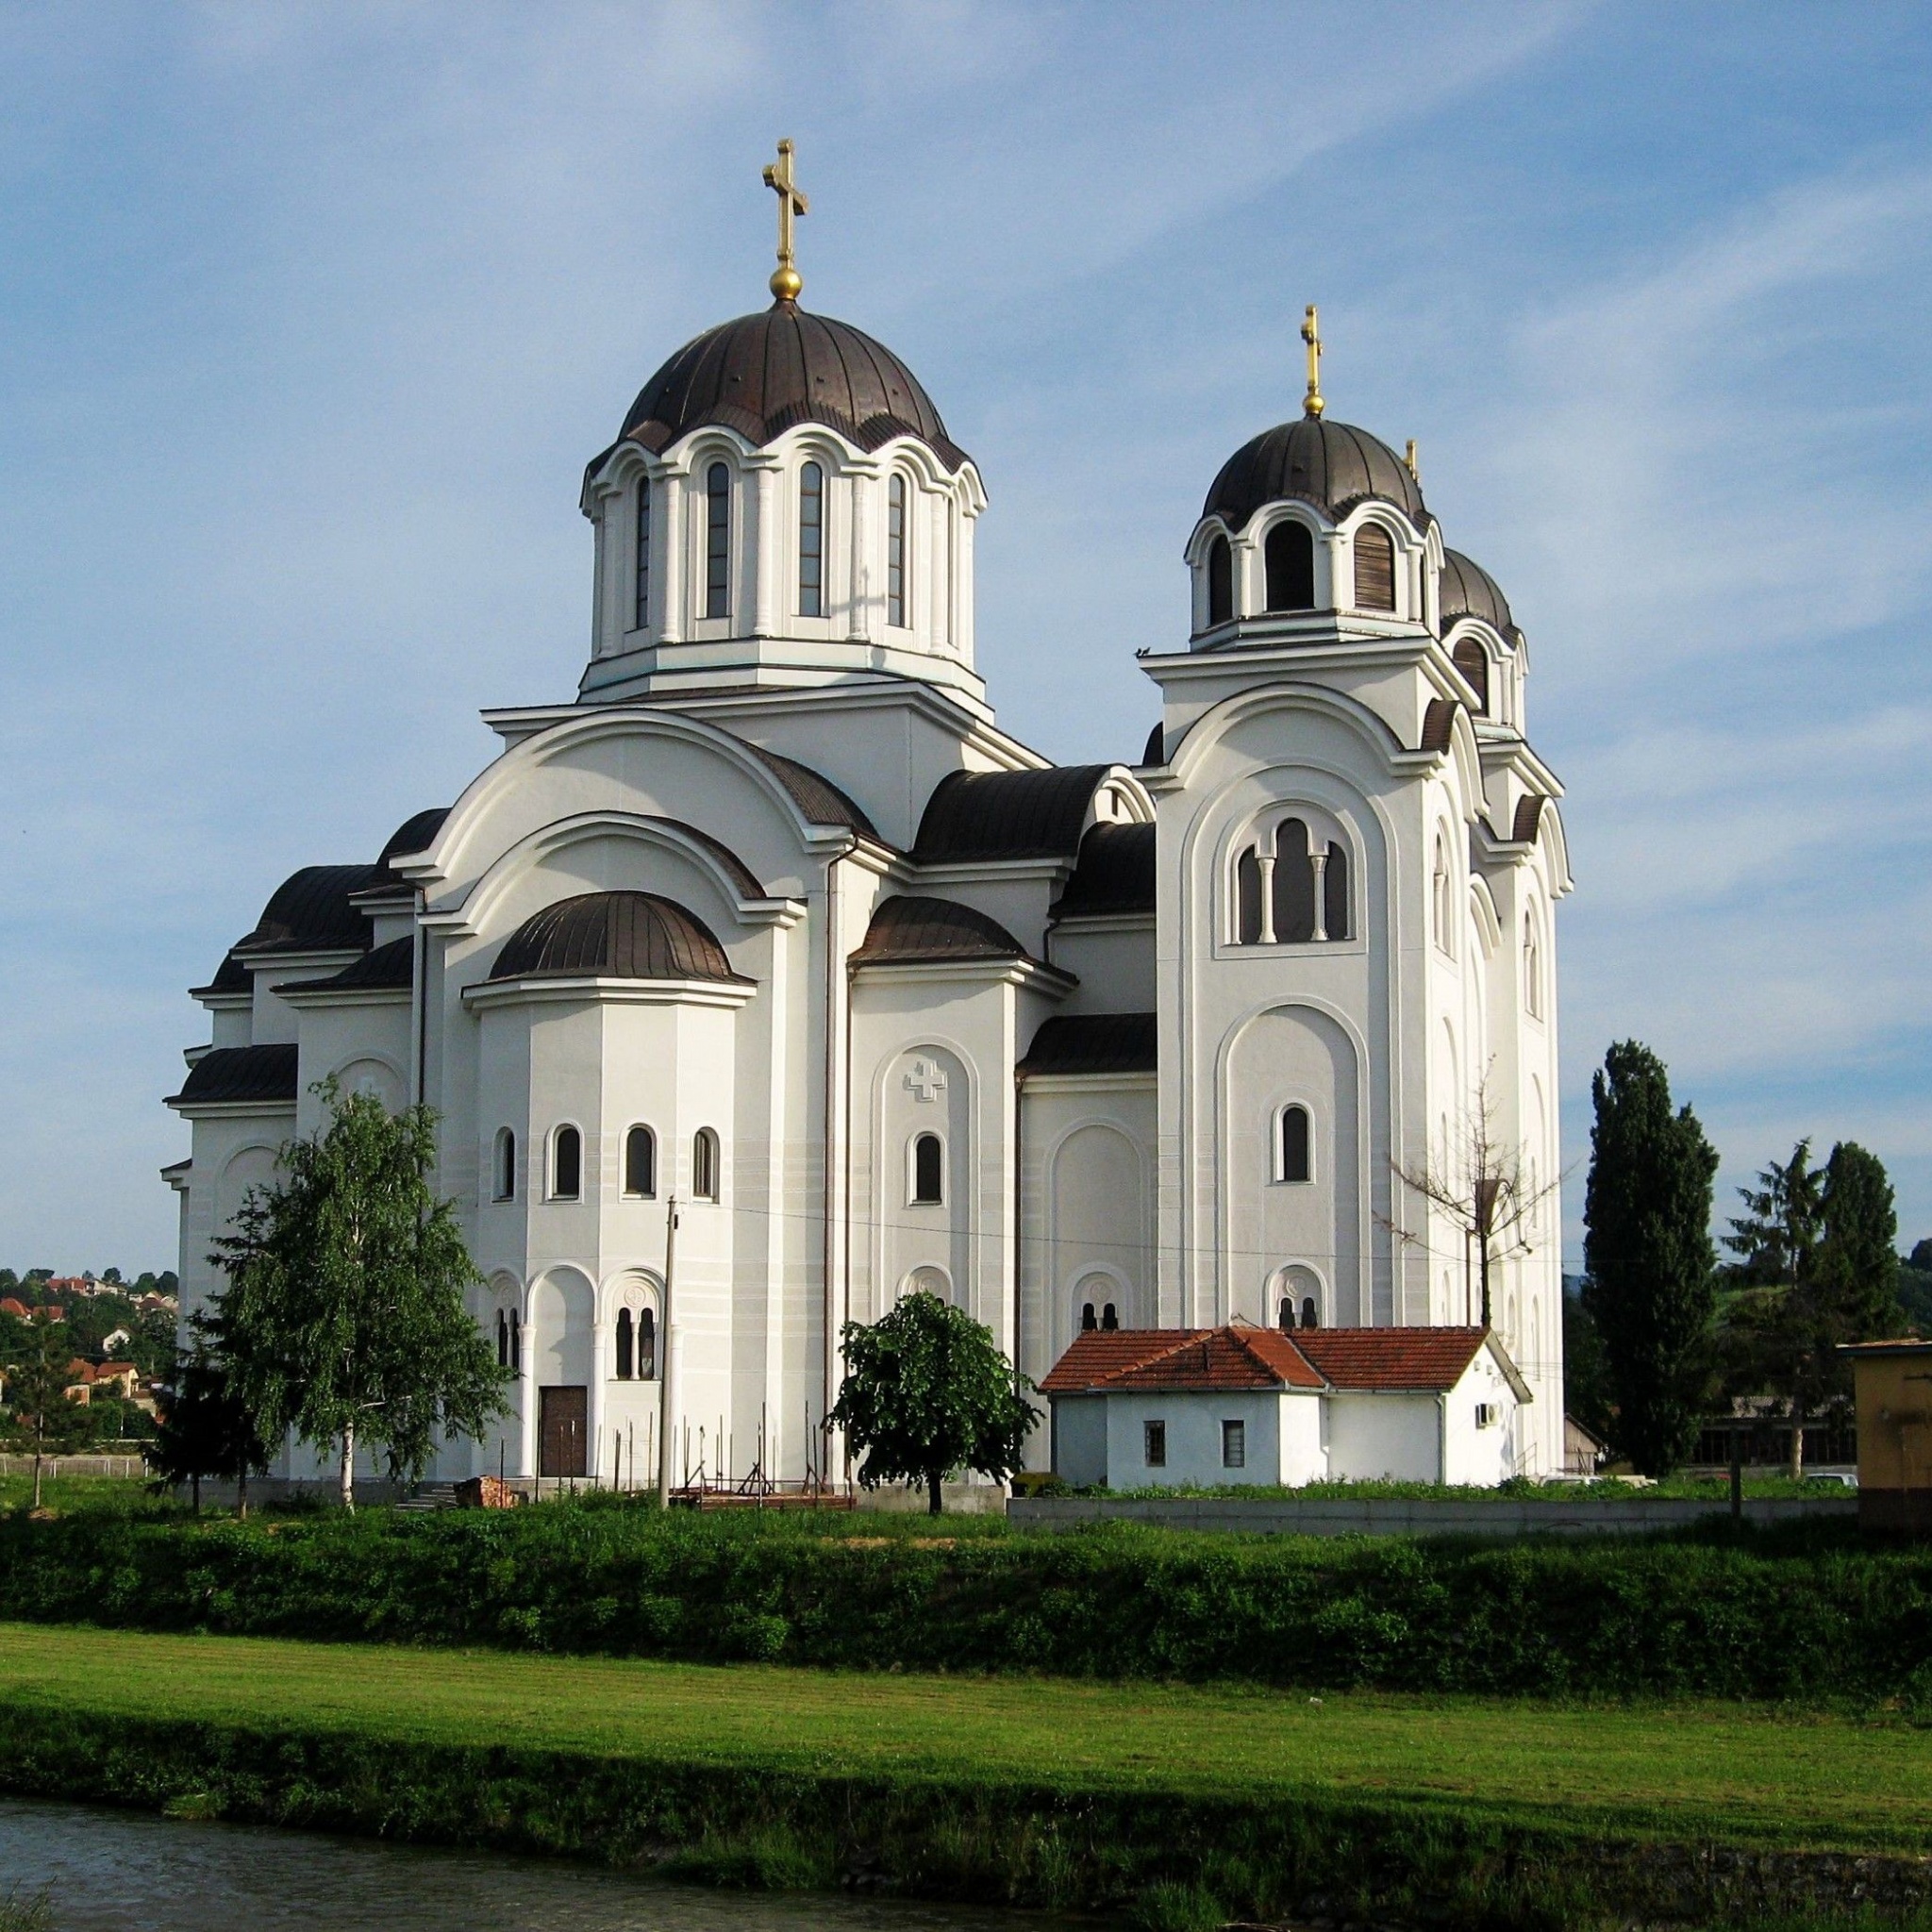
point(614, 935)
point(763, 373)
point(1467, 590)
point(1332, 465)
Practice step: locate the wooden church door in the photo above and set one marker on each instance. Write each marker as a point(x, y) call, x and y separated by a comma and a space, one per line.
point(562, 1419)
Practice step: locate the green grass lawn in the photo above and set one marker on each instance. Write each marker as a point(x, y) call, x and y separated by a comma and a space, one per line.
point(1731, 1774)
point(74, 1495)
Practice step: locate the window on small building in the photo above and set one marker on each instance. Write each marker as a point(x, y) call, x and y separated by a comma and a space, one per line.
point(641, 1162)
point(624, 1344)
point(704, 1165)
point(503, 1183)
point(812, 541)
point(641, 605)
point(1110, 1318)
point(1234, 1445)
point(1220, 582)
point(648, 1345)
point(718, 541)
point(1474, 662)
point(1153, 1445)
point(1291, 564)
point(897, 590)
point(1293, 1165)
point(928, 1170)
point(566, 1164)
point(1375, 569)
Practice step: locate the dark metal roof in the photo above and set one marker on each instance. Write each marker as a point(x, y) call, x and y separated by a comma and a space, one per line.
point(1332, 465)
point(1529, 815)
point(230, 976)
point(1467, 590)
point(390, 966)
point(817, 797)
point(1092, 1043)
point(1439, 724)
point(614, 935)
point(1157, 745)
point(760, 375)
point(415, 834)
point(1114, 872)
point(310, 912)
point(905, 927)
point(240, 1074)
point(973, 815)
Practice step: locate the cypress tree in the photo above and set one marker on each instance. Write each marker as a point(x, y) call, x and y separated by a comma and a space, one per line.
point(1649, 1268)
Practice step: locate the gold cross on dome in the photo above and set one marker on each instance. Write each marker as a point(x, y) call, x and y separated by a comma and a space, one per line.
point(786, 280)
point(1311, 334)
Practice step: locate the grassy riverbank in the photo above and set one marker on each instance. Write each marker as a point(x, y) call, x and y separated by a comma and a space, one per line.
point(1034, 1792)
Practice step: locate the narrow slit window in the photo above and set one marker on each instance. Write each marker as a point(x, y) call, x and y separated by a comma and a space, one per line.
point(928, 1170)
point(812, 541)
point(1247, 893)
point(1153, 1445)
point(704, 1165)
point(501, 1340)
point(1294, 1143)
point(648, 1345)
point(1088, 1324)
point(641, 1162)
point(1291, 563)
point(516, 1342)
point(624, 1344)
point(642, 608)
point(1284, 1314)
point(1110, 1318)
point(718, 541)
point(895, 553)
point(504, 1180)
point(1220, 582)
point(1310, 1315)
point(1234, 1445)
point(1375, 569)
point(566, 1165)
point(1334, 892)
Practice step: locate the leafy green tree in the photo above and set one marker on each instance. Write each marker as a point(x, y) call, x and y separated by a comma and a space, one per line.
point(1817, 1270)
point(343, 1316)
point(1587, 1393)
point(1648, 1260)
point(203, 1427)
point(927, 1392)
point(40, 1421)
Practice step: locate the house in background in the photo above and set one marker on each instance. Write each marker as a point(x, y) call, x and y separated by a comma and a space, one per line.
point(1150, 1409)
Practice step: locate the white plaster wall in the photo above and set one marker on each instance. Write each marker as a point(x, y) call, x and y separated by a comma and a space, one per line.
point(1377, 1436)
point(1078, 1438)
point(1193, 1438)
point(1113, 960)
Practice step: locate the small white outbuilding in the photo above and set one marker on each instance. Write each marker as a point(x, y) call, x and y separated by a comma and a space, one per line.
point(1160, 1407)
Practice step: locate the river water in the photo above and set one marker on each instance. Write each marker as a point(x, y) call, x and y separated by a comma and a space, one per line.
point(105, 1871)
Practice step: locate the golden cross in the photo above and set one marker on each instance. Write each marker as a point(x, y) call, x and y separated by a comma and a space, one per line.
point(786, 280)
point(1312, 404)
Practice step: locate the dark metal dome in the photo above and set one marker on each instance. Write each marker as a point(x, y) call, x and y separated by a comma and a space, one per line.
point(614, 935)
point(1468, 589)
point(1332, 465)
point(762, 373)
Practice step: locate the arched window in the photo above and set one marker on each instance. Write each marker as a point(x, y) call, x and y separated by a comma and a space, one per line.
point(501, 1340)
point(1247, 893)
point(1474, 662)
point(648, 1345)
point(1532, 968)
point(516, 1341)
point(641, 1162)
point(1286, 1315)
point(718, 541)
point(812, 541)
point(1295, 884)
point(566, 1165)
point(897, 591)
point(623, 1345)
point(1293, 1163)
point(1334, 892)
point(503, 1176)
point(1291, 560)
point(704, 1165)
point(1375, 569)
point(1220, 582)
point(1110, 1318)
point(642, 606)
point(1088, 1322)
point(928, 1170)
point(1440, 923)
point(1311, 1316)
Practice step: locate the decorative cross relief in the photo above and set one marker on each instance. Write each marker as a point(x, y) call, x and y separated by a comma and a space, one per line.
point(924, 1081)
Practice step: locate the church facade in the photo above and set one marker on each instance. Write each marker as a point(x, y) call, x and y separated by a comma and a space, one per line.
point(773, 918)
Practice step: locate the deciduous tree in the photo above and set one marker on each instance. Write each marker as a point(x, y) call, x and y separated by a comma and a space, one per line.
point(40, 1421)
point(927, 1392)
point(1648, 1259)
point(343, 1317)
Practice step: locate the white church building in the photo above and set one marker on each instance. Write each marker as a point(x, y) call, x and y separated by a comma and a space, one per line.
point(773, 916)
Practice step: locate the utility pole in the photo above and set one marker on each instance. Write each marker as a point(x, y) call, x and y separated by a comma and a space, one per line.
point(664, 1367)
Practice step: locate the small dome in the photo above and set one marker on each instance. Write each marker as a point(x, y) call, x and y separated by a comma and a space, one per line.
point(1469, 591)
point(614, 935)
point(312, 910)
point(1332, 465)
point(763, 373)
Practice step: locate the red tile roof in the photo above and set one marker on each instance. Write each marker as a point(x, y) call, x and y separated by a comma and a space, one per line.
point(1239, 1356)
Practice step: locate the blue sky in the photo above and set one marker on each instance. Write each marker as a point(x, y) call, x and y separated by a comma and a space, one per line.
point(312, 315)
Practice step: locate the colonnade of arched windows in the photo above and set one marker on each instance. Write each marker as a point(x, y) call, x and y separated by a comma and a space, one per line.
point(1295, 894)
point(640, 1179)
point(637, 1346)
